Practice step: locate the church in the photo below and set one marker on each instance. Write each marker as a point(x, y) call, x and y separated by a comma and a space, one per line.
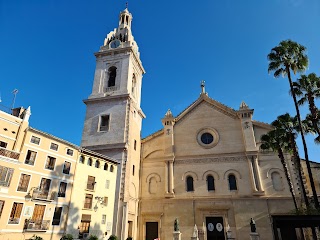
point(204, 169)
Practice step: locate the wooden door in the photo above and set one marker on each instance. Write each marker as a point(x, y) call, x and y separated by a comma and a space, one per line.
point(151, 230)
point(215, 229)
point(38, 212)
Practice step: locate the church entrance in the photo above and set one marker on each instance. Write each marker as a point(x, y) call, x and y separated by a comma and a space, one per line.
point(151, 230)
point(215, 229)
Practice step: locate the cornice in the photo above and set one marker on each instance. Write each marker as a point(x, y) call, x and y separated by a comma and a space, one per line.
point(211, 160)
point(106, 98)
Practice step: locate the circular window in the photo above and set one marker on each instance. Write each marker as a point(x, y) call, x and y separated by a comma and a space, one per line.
point(208, 137)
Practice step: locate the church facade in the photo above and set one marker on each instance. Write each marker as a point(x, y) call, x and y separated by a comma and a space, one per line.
point(204, 168)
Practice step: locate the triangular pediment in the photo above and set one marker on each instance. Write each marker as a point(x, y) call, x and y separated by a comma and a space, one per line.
point(204, 99)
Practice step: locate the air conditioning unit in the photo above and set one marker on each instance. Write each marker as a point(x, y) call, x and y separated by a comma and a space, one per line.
point(85, 236)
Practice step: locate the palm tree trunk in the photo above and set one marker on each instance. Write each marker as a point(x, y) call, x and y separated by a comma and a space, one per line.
point(286, 172)
point(298, 164)
point(314, 193)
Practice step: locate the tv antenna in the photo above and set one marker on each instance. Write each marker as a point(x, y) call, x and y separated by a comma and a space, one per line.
point(15, 91)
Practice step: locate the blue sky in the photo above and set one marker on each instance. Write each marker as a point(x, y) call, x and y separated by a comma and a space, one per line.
point(47, 51)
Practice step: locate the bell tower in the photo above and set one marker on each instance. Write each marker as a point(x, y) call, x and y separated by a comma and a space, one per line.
point(113, 118)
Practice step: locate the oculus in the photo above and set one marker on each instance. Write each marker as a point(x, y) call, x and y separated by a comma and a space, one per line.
point(207, 137)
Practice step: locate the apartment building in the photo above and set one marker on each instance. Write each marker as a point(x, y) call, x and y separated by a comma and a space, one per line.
point(37, 174)
point(92, 202)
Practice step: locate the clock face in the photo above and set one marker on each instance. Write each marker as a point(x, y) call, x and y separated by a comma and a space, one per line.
point(115, 44)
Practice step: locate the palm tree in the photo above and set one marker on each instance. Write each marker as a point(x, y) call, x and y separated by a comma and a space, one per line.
point(286, 57)
point(308, 88)
point(289, 126)
point(276, 140)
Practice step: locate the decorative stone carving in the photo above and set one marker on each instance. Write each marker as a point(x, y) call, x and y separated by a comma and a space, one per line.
point(210, 160)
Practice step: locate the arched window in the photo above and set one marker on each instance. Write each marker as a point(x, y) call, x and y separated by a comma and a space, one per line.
point(210, 183)
point(190, 184)
point(232, 182)
point(112, 76)
point(97, 164)
point(105, 166)
point(277, 181)
point(90, 162)
point(134, 85)
point(81, 160)
point(111, 168)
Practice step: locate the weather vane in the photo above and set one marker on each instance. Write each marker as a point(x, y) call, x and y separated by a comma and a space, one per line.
point(127, 5)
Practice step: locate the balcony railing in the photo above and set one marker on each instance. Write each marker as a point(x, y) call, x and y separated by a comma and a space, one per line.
point(36, 225)
point(44, 195)
point(8, 153)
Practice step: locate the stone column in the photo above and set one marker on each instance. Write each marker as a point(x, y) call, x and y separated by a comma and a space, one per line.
point(257, 172)
point(170, 162)
point(254, 236)
point(177, 235)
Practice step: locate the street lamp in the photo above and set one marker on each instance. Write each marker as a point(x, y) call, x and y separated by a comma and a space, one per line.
point(99, 200)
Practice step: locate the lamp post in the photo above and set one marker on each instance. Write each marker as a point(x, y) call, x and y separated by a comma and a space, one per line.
point(99, 200)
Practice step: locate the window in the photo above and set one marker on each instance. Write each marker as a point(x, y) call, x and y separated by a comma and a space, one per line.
point(105, 166)
point(5, 176)
point(66, 167)
point(54, 146)
point(51, 161)
point(105, 201)
point(107, 184)
point(3, 144)
point(277, 181)
point(62, 189)
point(81, 160)
point(112, 76)
point(69, 152)
point(190, 184)
point(91, 182)
point(104, 123)
point(134, 85)
point(89, 162)
point(132, 170)
point(35, 140)
point(210, 183)
point(104, 218)
point(97, 164)
point(111, 168)
point(88, 201)
point(135, 145)
point(24, 183)
point(1, 206)
point(15, 213)
point(31, 157)
point(232, 182)
point(57, 216)
point(85, 223)
point(44, 188)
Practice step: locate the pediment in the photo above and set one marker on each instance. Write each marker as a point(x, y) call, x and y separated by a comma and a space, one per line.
point(204, 99)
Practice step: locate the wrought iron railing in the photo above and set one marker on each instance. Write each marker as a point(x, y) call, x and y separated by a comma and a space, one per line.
point(8, 153)
point(44, 195)
point(36, 225)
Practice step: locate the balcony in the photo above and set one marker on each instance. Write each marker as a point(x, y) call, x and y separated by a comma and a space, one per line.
point(36, 225)
point(9, 154)
point(44, 195)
